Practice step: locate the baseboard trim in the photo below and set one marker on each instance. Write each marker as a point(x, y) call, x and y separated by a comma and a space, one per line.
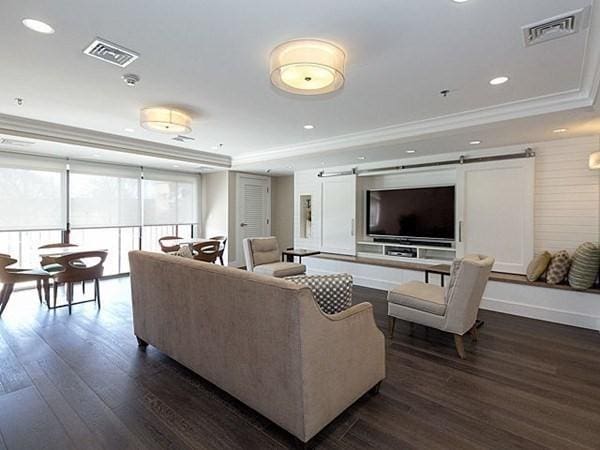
point(542, 313)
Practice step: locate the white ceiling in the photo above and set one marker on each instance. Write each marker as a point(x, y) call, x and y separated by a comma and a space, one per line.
point(211, 59)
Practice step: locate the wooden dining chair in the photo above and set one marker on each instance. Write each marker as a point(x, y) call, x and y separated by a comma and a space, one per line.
point(11, 276)
point(49, 264)
point(169, 248)
point(74, 272)
point(223, 243)
point(207, 251)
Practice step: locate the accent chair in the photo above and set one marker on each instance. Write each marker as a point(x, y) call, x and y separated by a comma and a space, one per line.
point(452, 309)
point(263, 257)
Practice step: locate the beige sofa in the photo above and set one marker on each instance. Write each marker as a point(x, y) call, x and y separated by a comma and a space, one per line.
point(263, 340)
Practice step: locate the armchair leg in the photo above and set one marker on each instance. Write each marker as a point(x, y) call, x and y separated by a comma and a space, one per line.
point(474, 333)
point(460, 345)
point(391, 326)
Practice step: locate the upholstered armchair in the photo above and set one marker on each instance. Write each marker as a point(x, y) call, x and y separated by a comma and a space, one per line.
point(263, 256)
point(453, 310)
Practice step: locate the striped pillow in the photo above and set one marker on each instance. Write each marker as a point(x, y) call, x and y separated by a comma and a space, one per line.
point(558, 268)
point(584, 268)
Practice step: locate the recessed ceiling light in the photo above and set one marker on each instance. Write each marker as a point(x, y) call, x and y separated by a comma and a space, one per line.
point(475, 142)
point(460, 1)
point(175, 165)
point(38, 26)
point(498, 80)
point(361, 158)
point(410, 151)
point(130, 130)
point(290, 167)
point(309, 127)
point(560, 130)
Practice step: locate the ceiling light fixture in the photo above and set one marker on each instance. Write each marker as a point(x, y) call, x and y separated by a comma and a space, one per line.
point(130, 79)
point(560, 130)
point(498, 81)
point(38, 26)
point(309, 127)
point(460, 1)
point(475, 142)
point(307, 67)
point(130, 130)
point(410, 151)
point(361, 158)
point(165, 120)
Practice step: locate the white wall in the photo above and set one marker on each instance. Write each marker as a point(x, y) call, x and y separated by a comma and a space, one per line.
point(215, 204)
point(567, 197)
point(282, 210)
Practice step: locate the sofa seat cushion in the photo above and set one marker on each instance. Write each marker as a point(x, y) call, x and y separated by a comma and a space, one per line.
point(425, 297)
point(280, 269)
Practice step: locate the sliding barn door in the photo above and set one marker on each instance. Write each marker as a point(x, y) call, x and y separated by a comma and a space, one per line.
point(338, 215)
point(495, 203)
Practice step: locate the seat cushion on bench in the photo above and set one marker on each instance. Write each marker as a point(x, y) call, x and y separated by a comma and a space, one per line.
point(424, 297)
point(280, 269)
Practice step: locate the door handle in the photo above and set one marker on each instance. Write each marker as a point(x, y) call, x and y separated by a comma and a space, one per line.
point(352, 228)
point(460, 223)
point(243, 224)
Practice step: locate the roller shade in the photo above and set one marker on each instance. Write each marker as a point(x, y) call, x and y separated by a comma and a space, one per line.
point(170, 198)
point(104, 195)
point(32, 193)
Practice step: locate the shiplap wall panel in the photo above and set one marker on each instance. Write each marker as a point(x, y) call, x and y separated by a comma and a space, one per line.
point(567, 194)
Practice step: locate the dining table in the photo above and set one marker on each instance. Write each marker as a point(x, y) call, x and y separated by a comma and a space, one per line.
point(56, 252)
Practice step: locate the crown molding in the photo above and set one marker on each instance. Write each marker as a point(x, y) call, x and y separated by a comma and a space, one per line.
point(46, 131)
point(564, 101)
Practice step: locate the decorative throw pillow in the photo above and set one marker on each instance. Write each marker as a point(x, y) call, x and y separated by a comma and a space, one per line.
point(538, 266)
point(558, 268)
point(333, 293)
point(584, 268)
point(184, 251)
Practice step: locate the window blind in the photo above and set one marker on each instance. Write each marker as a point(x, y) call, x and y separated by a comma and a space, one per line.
point(32, 193)
point(104, 195)
point(170, 198)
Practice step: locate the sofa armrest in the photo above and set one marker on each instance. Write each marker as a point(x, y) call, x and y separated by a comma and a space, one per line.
point(343, 357)
point(353, 310)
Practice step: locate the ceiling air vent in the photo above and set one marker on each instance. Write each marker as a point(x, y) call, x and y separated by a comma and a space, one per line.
point(556, 27)
point(15, 142)
point(111, 53)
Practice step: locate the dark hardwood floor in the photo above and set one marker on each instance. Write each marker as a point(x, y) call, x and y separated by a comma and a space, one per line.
point(81, 382)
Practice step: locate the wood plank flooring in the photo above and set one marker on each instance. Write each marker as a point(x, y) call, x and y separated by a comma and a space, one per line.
point(81, 382)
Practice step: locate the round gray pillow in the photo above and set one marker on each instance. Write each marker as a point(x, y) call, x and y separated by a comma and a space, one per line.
point(584, 267)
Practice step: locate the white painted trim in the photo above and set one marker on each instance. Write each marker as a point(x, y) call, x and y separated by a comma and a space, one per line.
point(563, 101)
point(46, 131)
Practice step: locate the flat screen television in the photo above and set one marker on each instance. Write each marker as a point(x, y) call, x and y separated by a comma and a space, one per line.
point(420, 214)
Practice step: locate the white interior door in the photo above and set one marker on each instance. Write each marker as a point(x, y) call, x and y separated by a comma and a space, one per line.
point(253, 209)
point(495, 203)
point(338, 213)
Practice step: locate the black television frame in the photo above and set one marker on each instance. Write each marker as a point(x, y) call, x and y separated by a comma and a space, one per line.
point(413, 240)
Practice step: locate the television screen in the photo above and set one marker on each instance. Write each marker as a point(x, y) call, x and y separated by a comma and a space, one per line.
point(425, 213)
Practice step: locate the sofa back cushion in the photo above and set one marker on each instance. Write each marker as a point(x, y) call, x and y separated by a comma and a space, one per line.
point(264, 250)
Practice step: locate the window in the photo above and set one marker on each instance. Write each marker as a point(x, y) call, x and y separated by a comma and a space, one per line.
point(32, 194)
point(169, 198)
point(104, 196)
